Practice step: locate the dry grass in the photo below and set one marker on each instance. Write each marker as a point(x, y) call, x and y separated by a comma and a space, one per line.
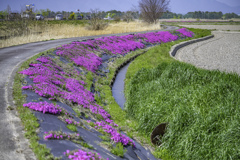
point(59, 31)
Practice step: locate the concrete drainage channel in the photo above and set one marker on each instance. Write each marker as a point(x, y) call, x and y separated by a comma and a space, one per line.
point(117, 83)
point(176, 47)
point(138, 153)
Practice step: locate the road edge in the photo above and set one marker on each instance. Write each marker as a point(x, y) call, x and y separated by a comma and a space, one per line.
point(22, 144)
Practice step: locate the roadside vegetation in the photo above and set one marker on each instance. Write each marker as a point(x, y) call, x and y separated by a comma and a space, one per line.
point(26, 31)
point(29, 121)
point(190, 99)
point(65, 83)
point(200, 106)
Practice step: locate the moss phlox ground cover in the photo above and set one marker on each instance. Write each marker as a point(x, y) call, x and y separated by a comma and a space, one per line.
point(81, 154)
point(52, 82)
point(43, 107)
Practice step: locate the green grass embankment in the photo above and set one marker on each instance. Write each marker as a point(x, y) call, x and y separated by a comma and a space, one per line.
point(202, 107)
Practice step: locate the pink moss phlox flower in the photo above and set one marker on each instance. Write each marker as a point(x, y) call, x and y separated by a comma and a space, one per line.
point(82, 155)
point(27, 87)
point(157, 37)
point(43, 59)
point(44, 107)
point(115, 136)
point(51, 81)
point(48, 136)
point(81, 54)
point(69, 121)
point(185, 33)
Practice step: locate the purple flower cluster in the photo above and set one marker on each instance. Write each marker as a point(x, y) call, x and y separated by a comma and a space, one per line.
point(185, 33)
point(51, 81)
point(81, 54)
point(43, 107)
point(27, 87)
point(48, 82)
point(157, 37)
point(71, 121)
point(117, 44)
point(59, 135)
point(76, 93)
point(82, 155)
point(115, 136)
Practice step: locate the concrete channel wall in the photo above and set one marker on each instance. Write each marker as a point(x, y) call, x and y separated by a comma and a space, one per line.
point(176, 47)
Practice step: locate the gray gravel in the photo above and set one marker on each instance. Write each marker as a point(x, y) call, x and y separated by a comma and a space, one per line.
point(217, 27)
point(219, 53)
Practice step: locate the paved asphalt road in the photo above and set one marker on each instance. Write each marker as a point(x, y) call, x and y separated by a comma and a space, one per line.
point(13, 144)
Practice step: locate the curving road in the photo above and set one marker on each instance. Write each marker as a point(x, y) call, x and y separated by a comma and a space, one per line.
point(219, 53)
point(13, 144)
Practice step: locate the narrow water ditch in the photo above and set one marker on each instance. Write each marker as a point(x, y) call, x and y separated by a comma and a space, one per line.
point(118, 86)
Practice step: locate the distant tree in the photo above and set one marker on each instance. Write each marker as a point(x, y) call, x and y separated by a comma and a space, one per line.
point(220, 15)
point(8, 9)
point(179, 16)
point(135, 12)
point(231, 15)
point(115, 12)
point(152, 10)
point(204, 15)
point(168, 15)
point(110, 15)
point(3, 14)
point(128, 16)
point(96, 22)
point(71, 17)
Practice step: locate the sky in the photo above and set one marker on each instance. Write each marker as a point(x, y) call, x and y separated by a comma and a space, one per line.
point(176, 6)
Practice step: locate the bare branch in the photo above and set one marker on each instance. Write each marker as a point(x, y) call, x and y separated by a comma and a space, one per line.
point(152, 10)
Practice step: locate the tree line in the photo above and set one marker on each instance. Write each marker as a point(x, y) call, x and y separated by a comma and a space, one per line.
point(47, 13)
point(199, 15)
point(149, 10)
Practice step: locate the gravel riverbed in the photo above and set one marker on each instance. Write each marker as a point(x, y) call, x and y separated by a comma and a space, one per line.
point(219, 53)
point(217, 27)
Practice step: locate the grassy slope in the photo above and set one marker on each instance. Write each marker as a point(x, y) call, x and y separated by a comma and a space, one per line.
point(30, 122)
point(102, 85)
point(201, 107)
